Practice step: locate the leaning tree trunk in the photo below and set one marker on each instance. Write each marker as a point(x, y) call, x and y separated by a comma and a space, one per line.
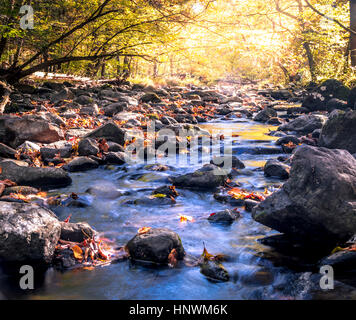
point(311, 62)
point(353, 36)
point(5, 92)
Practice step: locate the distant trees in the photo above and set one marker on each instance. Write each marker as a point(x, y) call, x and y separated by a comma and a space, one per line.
point(72, 32)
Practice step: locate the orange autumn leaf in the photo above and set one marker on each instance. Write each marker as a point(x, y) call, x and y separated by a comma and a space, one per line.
point(143, 230)
point(77, 252)
point(172, 258)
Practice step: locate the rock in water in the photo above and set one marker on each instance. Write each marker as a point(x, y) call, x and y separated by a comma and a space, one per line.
point(214, 270)
point(28, 232)
point(76, 232)
point(43, 178)
point(339, 132)
point(304, 124)
point(318, 202)
point(155, 245)
point(274, 168)
point(207, 177)
point(265, 115)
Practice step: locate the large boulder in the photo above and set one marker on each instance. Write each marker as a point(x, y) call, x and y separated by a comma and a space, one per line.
point(43, 178)
point(304, 124)
point(265, 115)
point(16, 130)
point(318, 202)
point(28, 233)
point(339, 132)
point(207, 177)
point(327, 90)
point(110, 131)
point(155, 245)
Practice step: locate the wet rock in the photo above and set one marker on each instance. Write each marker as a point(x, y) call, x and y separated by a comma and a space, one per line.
point(76, 232)
point(250, 204)
point(155, 245)
point(214, 270)
point(104, 189)
point(304, 124)
point(224, 216)
point(43, 178)
point(227, 162)
point(88, 147)
point(111, 109)
point(287, 139)
point(207, 177)
point(16, 130)
point(81, 164)
point(317, 203)
point(276, 169)
point(274, 121)
point(339, 132)
point(110, 131)
point(265, 115)
point(28, 233)
point(169, 191)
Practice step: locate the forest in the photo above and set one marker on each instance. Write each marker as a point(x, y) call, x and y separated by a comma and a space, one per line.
point(177, 150)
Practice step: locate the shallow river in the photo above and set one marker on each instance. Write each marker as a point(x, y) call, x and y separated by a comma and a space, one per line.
point(253, 275)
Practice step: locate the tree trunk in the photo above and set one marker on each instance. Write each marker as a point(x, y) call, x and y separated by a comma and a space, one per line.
point(353, 36)
point(311, 62)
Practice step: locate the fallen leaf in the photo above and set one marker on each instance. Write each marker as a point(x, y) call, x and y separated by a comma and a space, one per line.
point(77, 252)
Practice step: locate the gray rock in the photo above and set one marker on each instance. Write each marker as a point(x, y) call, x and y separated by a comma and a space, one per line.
point(88, 147)
point(214, 270)
point(110, 131)
point(76, 232)
point(287, 139)
point(28, 233)
point(16, 130)
point(43, 178)
point(274, 168)
point(228, 161)
point(150, 97)
point(265, 115)
point(81, 164)
point(339, 132)
point(155, 245)
point(207, 177)
point(225, 216)
point(111, 109)
point(318, 202)
point(304, 124)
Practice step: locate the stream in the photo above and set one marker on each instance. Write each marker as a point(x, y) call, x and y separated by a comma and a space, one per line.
point(252, 274)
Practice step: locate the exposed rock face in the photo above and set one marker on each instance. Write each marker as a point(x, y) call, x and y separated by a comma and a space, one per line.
point(28, 232)
point(304, 124)
point(339, 132)
point(155, 245)
point(81, 164)
point(318, 202)
point(43, 178)
point(15, 130)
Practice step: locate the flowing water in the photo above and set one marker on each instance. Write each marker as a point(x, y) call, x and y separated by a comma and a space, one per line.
point(253, 275)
